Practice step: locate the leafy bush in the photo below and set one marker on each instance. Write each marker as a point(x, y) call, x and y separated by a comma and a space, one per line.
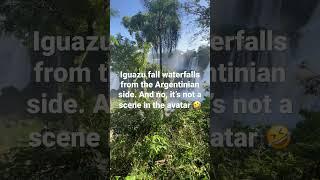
point(176, 147)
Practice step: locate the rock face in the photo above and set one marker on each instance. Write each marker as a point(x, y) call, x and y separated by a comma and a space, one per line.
point(294, 19)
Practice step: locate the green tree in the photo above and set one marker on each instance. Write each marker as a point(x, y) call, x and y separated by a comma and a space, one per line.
point(200, 10)
point(127, 56)
point(160, 25)
point(59, 17)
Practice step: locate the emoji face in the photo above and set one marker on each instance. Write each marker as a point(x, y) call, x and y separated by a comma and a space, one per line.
point(196, 105)
point(278, 137)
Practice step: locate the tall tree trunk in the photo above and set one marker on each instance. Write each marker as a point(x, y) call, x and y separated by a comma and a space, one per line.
point(160, 54)
point(161, 70)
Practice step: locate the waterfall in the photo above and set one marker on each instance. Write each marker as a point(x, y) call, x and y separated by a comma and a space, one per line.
point(308, 54)
point(114, 81)
point(204, 80)
point(14, 63)
point(267, 14)
point(193, 64)
point(250, 13)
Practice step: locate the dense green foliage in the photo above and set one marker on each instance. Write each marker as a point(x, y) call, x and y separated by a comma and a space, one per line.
point(128, 56)
point(299, 161)
point(177, 147)
point(70, 18)
point(159, 25)
point(144, 146)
